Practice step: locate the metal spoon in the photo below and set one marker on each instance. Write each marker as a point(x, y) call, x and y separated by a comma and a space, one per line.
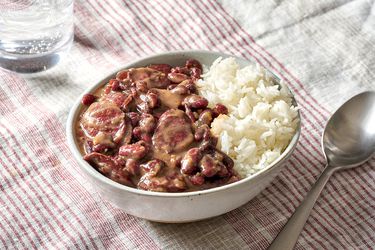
point(348, 141)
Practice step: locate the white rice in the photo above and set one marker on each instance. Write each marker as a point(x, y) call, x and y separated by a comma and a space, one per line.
point(261, 120)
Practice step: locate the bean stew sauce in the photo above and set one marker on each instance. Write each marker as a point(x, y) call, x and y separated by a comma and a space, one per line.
point(150, 129)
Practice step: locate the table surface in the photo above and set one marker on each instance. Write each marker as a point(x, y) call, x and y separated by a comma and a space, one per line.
point(325, 52)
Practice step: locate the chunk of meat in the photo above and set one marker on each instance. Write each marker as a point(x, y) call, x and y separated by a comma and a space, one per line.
point(157, 177)
point(121, 100)
point(189, 163)
point(169, 98)
point(134, 151)
point(105, 164)
point(173, 132)
point(180, 90)
point(195, 101)
point(132, 167)
point(162, 183)
point(153, 167)
point(109, 167)
point(103, 117)
point(153, 78)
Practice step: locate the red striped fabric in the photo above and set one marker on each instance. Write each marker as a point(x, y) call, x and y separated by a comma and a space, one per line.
point(45, 201)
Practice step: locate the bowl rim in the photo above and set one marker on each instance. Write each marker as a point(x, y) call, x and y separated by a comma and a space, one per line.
point(74, 111)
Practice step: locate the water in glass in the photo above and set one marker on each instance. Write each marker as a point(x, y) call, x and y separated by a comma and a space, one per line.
point(34, 34)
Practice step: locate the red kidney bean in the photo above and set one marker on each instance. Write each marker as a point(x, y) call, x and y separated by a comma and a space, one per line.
point(127, 102)
point(205, 117)
point(195, 101)
point(88, 99)
point(146, 137)
point(189, 162)
point(137, 132)
point(153, 167)
point(177, 77)
point(228, 161)
point(165, 68)
point(223, 172)
point(191, 87)
point(190, 113)
point(197, 179)
point(220, 109)
point(152, 99)
point(124, 134)
point(122, 75)
point(195, 73)
point(202, 133)
point(134, 118)
point(209, 167)
point(115, 85)
point(192, 63)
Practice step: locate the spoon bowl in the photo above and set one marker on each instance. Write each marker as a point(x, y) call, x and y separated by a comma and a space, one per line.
point(349, 137)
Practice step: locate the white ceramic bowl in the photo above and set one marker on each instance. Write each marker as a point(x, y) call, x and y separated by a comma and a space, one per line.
point(176, 207)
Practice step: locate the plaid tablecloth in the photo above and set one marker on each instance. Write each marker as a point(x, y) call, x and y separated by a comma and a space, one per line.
point(324, 50)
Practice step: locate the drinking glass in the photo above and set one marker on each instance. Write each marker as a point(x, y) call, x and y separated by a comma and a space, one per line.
point(34, 34)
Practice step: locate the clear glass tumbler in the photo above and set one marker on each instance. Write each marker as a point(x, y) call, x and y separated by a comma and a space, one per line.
point(34, 34)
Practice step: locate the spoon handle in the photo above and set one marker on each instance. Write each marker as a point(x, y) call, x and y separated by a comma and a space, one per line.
point(288, 236)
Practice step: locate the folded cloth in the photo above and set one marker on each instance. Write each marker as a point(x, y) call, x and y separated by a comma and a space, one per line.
point(324, 51)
